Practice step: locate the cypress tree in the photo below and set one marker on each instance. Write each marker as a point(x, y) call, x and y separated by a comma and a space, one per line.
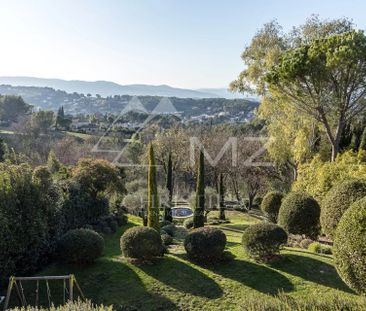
point(169, 185)
point(152, 193)
point(363, 140)
point(221, 197)
point(53, 163)
point(199, 209)
point(2, 150)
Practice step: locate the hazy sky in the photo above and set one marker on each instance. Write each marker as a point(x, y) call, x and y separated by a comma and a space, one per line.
point(183, 43)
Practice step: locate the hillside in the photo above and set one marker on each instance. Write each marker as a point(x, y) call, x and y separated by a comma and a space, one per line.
point(74, 103)
point(106, 88)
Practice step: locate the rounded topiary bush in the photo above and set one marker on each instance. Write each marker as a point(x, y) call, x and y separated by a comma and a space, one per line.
point(205, 244)
point(169, 229)
point(271, 204)
point(188, 223)
point(349, 247)
point(337, 201)
point(319, 248)
point(262, 241)
point(166, 239)
point(141, 243)
point(80, 246)
point(299, 214)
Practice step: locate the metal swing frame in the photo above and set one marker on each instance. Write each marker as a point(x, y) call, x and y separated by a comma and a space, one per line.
point(16, 282)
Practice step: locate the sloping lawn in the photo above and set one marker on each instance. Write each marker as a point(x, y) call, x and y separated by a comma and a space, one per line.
point(173, 283)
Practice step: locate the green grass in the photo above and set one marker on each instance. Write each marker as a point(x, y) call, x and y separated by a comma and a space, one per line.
point(173, 283)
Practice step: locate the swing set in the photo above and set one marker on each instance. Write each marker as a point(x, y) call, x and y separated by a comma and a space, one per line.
point(69, 283)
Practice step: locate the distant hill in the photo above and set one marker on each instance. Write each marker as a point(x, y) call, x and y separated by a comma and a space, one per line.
point(106, 88)
point(46, 98)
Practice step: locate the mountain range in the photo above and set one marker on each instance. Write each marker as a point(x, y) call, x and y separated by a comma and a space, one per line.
point(107, 88)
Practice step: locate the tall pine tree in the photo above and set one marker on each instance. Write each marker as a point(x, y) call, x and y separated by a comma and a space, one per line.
point(221, 197)
point(169, 186)
point(199, 209)
point(152, 193)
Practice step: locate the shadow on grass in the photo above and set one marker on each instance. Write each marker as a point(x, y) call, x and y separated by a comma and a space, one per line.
point(183, 277)
point(255, 276)
point(106, 282)
point(311, 269)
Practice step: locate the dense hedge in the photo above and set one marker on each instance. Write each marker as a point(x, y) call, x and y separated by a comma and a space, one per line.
point(350, 247)
point(271, 204)
point(80, 207)
point(262, 241)
point(80, 246)
point(205, 244)
point(24, 232)
point(299, 214)
point(141, 243)
point(337, 201)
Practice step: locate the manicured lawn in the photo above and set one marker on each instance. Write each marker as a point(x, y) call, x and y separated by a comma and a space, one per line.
point(173, 283)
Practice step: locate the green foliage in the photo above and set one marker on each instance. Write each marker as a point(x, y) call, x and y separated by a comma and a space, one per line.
point(221, 197)
point(3, 150)
point(299, 214)
point(319, 248)
point(96, 176)
point(80, 246)
point(24, 234)
point(12, 107)
point(262, 241)
point(271, 205)
point(152, 193)
point(166, 239)
point(199, 207)
point(363, 141)
point(42, 121)
point(141, 243)
point(325, 64)
point(337, 201)
point(53, 163)
point(205, 244)
point(170, 229)
point(304, 243)
point(350, 245)
point(188, 223)
point(169, 186)
point(81, 207)
point(318, 177)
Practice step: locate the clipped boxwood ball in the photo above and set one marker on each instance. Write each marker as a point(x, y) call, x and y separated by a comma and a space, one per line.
point(141, 243)
point(271, 204)
point(262, 241)
point(349, 247)
point(299, 214)
point(80, 246)
point(188, 223)
point(205, 244)
point(337, 201)
point(169, 229)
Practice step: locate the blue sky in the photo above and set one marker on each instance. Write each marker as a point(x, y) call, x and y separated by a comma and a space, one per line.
point(183, 43)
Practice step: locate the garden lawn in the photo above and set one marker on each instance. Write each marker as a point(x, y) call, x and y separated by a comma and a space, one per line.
point(173, 283)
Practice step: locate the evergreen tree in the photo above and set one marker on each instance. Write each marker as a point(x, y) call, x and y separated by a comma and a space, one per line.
point(152, 193)
point(199, 209)
point(221, 197)
point(60, 117)
point(169, 185)
point(3, 150)
point(53, 163)
point(363, 140)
